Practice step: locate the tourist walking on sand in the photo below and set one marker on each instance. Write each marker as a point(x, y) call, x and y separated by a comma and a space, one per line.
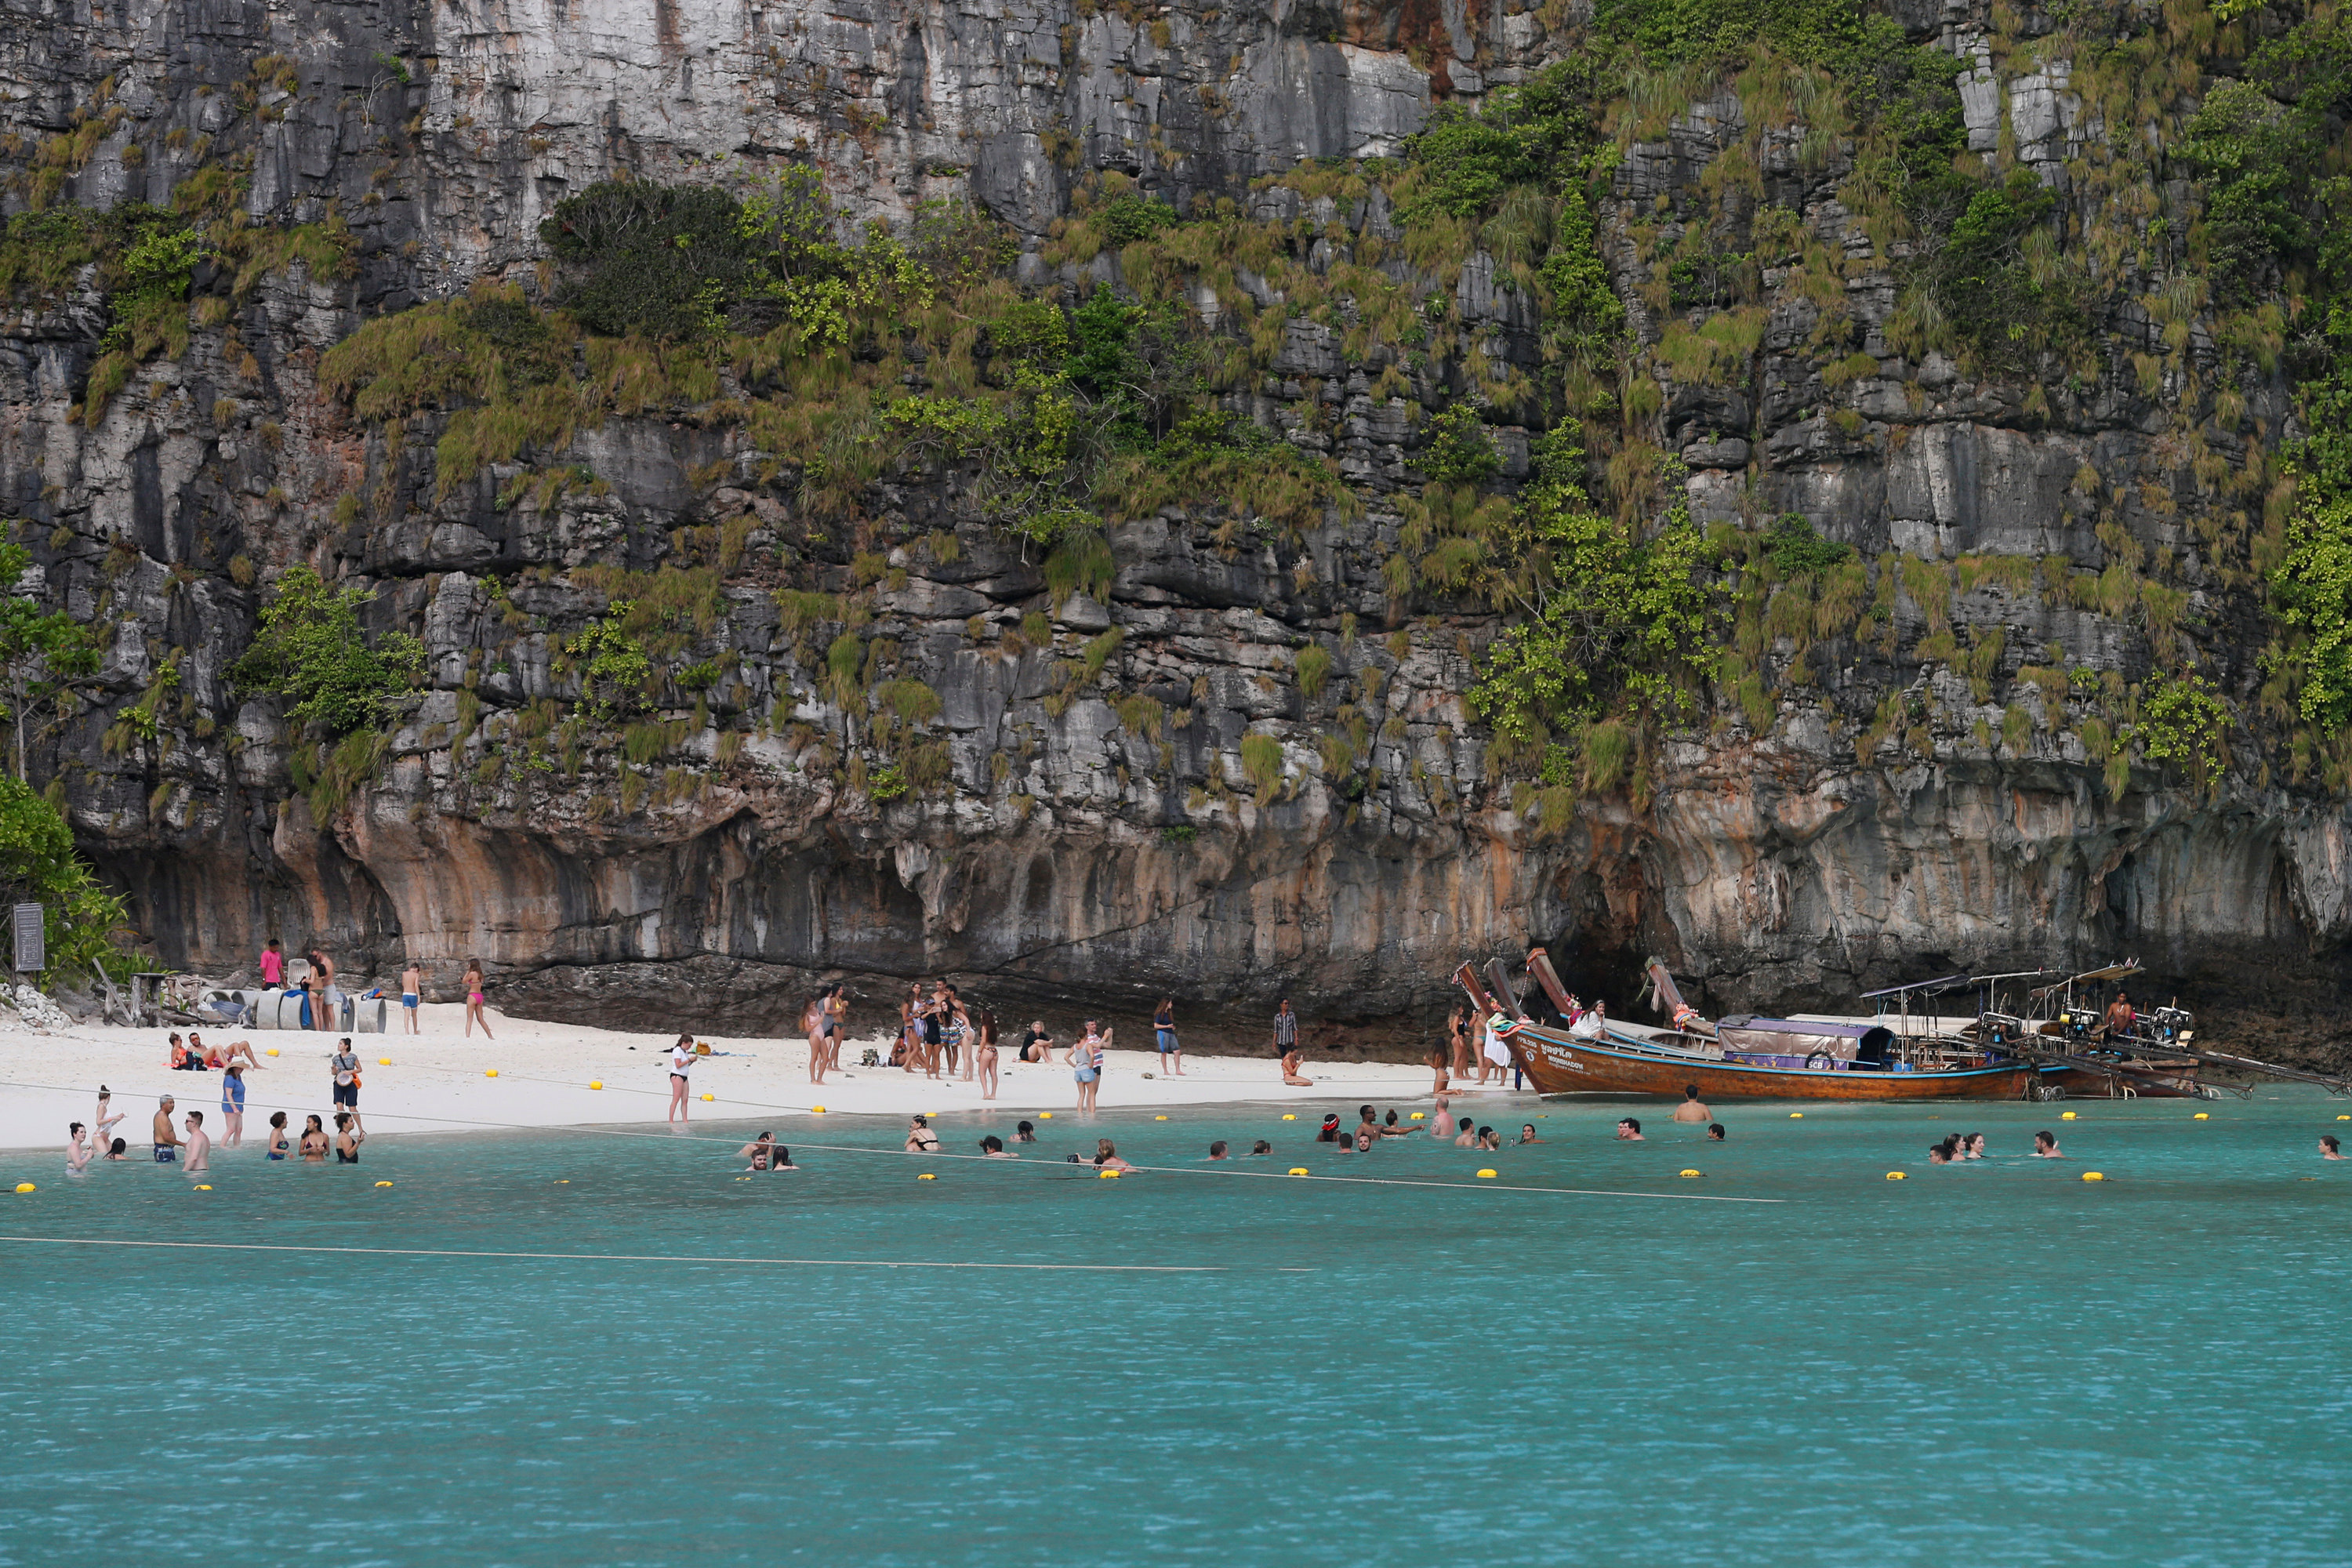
point(473, 1014)
point(344, 1067)
point(681, 1062)
point(1086, 1065)
point(1163, 1022)
point(273, 966)
point(412, 995)
point(1286, 1028)
point(984, 1054)
point(200, 1147)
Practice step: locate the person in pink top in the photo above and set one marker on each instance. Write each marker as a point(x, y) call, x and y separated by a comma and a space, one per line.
point(273, 965)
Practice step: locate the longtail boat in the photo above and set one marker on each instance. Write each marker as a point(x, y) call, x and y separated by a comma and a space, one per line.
point(1739, 1057)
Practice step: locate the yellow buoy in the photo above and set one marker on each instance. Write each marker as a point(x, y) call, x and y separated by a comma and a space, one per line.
point(2094, 1176)
point(1107, 1176)
point(926, 1176)
point(24, 1186)
point(383, 1061)
point(203, 1187)
point(709, 1098)
point(2065, 1116)
point(1485, 1176)
point(1044, 1116)
point(271, 1052)
point(490, 1072)
point(1895, 1176)
point(562, 1181)
point(1419, 1114)
point(2202, 1116)
point(819, 1110)
point(1160, 1118)
point(1690, 1173)
point(384, 1183)
point(595, 1083)
point(1295, 1170)
point(1796, 1116)
point(2344, 1119)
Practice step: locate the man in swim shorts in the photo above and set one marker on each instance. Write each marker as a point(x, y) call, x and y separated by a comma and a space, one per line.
point(167, 1139)
point(411, 992)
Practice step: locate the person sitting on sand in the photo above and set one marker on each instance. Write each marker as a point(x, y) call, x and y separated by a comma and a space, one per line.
point(1629, 1131)
point(1290, 1074)
point(1692, 1108)
point(1714, 1133)
point(2329, 1149)
point(1528, 1132)
point(1106, 1156)
point(1037, 1045)
point(920, 1139)
point(993, 1148)
point(2046, 1146)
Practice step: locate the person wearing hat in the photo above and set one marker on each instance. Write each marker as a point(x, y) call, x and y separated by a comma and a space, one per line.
point(920, 1139)
point(167, 1137)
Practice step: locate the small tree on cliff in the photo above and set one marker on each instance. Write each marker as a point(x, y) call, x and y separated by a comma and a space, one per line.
point(42, 652)
point(311, 651)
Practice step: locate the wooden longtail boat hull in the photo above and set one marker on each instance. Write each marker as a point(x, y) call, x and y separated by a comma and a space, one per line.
point(2082, 1083)
point(1558, 1064)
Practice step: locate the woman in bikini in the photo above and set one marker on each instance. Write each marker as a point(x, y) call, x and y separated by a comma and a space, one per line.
point(813, 1024)
point(1290, 1070)
point(984, 1054)
point(274, 1146)
point(1457, 1031)
point(473, 1014)
point(314, 1142)
point(1437, 1066)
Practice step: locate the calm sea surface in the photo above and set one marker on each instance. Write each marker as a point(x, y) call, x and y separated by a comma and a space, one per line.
point(1997, 1364)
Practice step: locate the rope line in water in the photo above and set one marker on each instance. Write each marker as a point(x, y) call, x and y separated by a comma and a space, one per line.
point(1032, 1165)
point(633, 1257)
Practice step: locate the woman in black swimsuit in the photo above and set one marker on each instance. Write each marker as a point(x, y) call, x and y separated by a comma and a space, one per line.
point(347, 1142)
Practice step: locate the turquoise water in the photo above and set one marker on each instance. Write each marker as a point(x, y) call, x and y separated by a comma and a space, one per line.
point(1996, 1363)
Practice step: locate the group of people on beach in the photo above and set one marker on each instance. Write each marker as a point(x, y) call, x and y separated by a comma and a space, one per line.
point(184, 1140)
point(322, 999)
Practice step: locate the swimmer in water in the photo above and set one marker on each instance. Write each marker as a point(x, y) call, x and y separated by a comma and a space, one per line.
point(1972, 1146)
point(761, 1151)
point(1489, 1138)
point(1528, 1133)
point(314, 1142)
point(1714, 1133)
point(1692, 1109)
point(1260, 1147)
point(1468, 1137)
point(200, 1146)
point(1629, 1131)
point(1025, 1133)
point(2329, 1149)
point(77, 1152)
point(1938, 1154)
point(1442, 1125)
point(993, 1148)
point(1217, 1151)
point(2046, 1146)
point(274, 1147)
point(1106, 1156)
point(920, 1139)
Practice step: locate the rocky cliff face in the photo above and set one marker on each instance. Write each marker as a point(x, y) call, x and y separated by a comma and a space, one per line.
point(1916, 777)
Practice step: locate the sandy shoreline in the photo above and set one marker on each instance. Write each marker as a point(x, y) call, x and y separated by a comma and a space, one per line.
point(437, 1080)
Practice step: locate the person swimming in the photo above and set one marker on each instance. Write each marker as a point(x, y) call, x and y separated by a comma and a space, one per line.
point(2329, 1148)
point(761, 1151)
point(1261, 1147)
point(1528, 1133)
point(993, 1147)
point(1714, 1133)
point(1629, 1131)
point(2046, 1146)
point(1025, 1133)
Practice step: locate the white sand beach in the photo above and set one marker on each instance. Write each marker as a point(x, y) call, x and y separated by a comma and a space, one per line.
point(437, 1081)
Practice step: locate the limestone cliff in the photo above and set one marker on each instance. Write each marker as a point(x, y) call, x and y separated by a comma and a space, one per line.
point(1925, 773)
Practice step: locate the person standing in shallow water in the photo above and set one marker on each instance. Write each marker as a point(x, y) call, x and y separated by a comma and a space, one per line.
point(1692, 1109)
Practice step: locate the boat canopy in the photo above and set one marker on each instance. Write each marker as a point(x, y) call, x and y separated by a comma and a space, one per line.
point(1803, 1036)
